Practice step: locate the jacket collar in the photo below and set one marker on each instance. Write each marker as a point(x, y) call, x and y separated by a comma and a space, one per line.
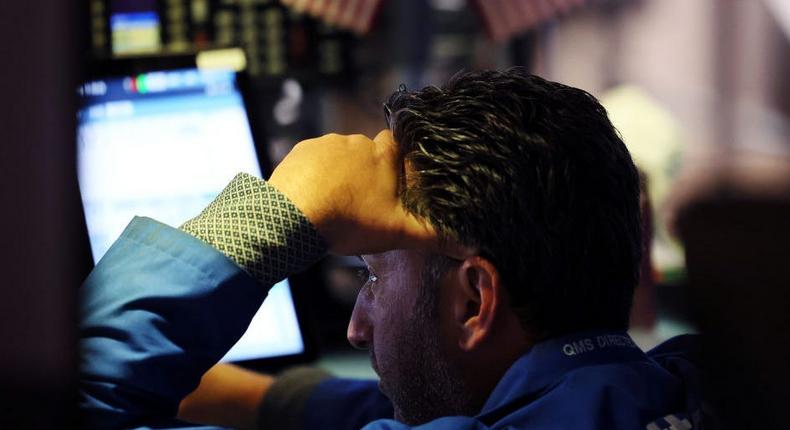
point(546, 362)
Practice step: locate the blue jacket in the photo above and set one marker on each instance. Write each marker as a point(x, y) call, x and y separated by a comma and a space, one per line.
point(592, 380)
point(162, 307)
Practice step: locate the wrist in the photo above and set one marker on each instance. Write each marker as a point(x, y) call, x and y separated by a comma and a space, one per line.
point(252, 223)
point(308, 201)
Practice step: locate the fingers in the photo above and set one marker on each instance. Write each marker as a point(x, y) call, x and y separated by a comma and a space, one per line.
point(384, 137)
point(347, 186)
point(417, 233)
point(386, 142)
point(421, 234)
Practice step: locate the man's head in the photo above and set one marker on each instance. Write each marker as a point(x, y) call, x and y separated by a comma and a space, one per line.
point(533, 175)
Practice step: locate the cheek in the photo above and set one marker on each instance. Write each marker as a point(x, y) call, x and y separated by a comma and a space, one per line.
point(394, 300)
point(450, 328)
point(394, 324)
point(391, 317)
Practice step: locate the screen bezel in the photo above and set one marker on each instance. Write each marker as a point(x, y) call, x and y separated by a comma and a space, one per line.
point(299, 284)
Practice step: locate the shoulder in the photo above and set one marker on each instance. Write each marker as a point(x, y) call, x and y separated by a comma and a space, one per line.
point(607, 396)
point(445, 423)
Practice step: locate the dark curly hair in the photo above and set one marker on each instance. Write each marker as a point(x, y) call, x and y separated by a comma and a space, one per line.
point(533, 173)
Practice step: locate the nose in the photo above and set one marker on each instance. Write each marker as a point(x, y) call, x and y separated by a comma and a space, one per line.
point(360, 330)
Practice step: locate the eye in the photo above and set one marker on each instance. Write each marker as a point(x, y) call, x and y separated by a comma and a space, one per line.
point(367, 277)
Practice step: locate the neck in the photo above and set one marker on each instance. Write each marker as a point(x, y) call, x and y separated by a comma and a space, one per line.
point(488, 364)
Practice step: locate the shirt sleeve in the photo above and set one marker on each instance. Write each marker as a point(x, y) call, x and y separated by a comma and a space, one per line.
point(162, 306)
point(256, 226)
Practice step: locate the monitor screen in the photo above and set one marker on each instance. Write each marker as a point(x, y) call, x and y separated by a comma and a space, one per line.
point(134, 26)
point(163, 145)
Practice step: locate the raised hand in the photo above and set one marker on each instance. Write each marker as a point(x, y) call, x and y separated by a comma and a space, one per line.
point(347, 186)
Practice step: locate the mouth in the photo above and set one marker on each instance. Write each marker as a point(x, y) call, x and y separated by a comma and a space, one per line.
point(374, 365)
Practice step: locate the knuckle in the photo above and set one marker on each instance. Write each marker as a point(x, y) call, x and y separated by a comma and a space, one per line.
point(358, 138)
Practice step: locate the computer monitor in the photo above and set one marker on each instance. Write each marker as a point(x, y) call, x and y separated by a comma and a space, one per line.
point(163, 144)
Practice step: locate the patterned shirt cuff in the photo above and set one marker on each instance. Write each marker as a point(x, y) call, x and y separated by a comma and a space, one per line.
point(257, 227)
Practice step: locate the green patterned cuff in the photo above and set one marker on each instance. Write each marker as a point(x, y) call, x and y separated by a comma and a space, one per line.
point(256, 226)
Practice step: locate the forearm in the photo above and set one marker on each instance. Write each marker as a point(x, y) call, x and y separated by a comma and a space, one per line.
point(228, 395)
point(162, 306)
point(298, 399)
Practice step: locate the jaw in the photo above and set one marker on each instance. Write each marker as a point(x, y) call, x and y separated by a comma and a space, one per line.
point(428, 393)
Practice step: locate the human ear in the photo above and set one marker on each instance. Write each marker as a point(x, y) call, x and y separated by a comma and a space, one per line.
point(477, 301)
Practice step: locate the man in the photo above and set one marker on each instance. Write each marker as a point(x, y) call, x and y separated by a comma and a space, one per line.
point(499, 220)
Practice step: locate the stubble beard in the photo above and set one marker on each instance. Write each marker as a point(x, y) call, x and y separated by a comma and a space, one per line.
point(426, 383)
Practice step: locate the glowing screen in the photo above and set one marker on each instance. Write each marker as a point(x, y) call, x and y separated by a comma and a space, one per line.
point(163, 145)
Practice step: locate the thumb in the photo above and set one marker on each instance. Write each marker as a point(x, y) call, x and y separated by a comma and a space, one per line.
point(418, 233)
